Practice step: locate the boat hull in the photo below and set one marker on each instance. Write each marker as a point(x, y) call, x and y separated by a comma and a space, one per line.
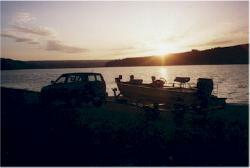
point(166, 95)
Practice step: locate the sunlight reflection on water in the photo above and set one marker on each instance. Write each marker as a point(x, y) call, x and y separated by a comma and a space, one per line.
point(163, 71)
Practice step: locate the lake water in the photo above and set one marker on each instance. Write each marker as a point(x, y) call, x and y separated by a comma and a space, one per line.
point(232, 80)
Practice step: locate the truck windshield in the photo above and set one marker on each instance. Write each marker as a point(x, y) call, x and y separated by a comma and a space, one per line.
point(61, 79)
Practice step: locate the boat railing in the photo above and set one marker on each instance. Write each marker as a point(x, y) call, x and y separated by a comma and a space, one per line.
point(180, 85)
point(179, 82)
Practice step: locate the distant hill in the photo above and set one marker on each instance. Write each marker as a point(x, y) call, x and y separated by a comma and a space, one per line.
point(9, 64)
point(220, 55)
point(69, 63)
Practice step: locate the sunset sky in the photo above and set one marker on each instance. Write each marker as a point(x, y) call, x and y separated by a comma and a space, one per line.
point(113, 30)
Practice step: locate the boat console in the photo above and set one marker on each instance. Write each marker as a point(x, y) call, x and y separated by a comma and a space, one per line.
point(131, 81)
point(135, 81)
point(159, 83)
point(182, 81)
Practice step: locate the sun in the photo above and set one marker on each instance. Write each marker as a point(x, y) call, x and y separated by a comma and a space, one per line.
point(162, 50)
point(165, 49)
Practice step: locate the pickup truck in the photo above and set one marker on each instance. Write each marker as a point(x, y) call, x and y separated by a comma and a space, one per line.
point(76, 88)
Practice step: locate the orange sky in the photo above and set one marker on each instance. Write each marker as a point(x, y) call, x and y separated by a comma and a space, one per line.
point(112, 30)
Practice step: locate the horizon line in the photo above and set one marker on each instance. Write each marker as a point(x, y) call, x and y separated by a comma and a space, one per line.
point(132, 57)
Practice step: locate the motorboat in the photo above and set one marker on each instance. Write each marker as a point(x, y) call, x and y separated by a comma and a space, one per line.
point(159, 91)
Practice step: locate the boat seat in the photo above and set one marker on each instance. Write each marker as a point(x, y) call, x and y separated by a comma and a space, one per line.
point(182, 79)
point(136, 81)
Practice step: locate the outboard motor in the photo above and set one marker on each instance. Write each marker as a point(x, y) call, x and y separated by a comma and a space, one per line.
point(205, 87)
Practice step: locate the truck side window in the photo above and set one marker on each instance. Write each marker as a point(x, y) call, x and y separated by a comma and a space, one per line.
point(91, 78)
point(98, 78)
point(78, 79)
point(71, 79)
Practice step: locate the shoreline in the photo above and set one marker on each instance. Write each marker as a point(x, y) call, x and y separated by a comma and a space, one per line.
point(124, 66)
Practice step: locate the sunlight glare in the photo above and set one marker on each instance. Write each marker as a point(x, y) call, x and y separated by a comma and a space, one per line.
point(163, 72)
point(162, 50)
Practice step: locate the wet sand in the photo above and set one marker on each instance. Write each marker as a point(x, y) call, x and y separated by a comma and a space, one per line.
point(117, 134)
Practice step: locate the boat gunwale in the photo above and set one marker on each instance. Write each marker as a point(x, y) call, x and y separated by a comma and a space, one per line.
point(166, 88)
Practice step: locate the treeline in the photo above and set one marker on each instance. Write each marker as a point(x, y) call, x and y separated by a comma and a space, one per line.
point(220, 55)
point(9, 64)
point(69, 63)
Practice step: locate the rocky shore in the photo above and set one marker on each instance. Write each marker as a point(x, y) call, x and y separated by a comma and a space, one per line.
point(117, 134)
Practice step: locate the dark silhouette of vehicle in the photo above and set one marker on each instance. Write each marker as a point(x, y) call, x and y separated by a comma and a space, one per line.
point(76, 88)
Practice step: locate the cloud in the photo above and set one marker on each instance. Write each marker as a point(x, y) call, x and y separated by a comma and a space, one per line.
point(133, 50)
point(22, 27)
point(16, 38)
point(174, 38)
point(33, 42)
point(122, 48)
point(54, 45)
point(22, 24)
point(217, 42)
point(214, 42)
point(37, 30)
point(23, 17)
